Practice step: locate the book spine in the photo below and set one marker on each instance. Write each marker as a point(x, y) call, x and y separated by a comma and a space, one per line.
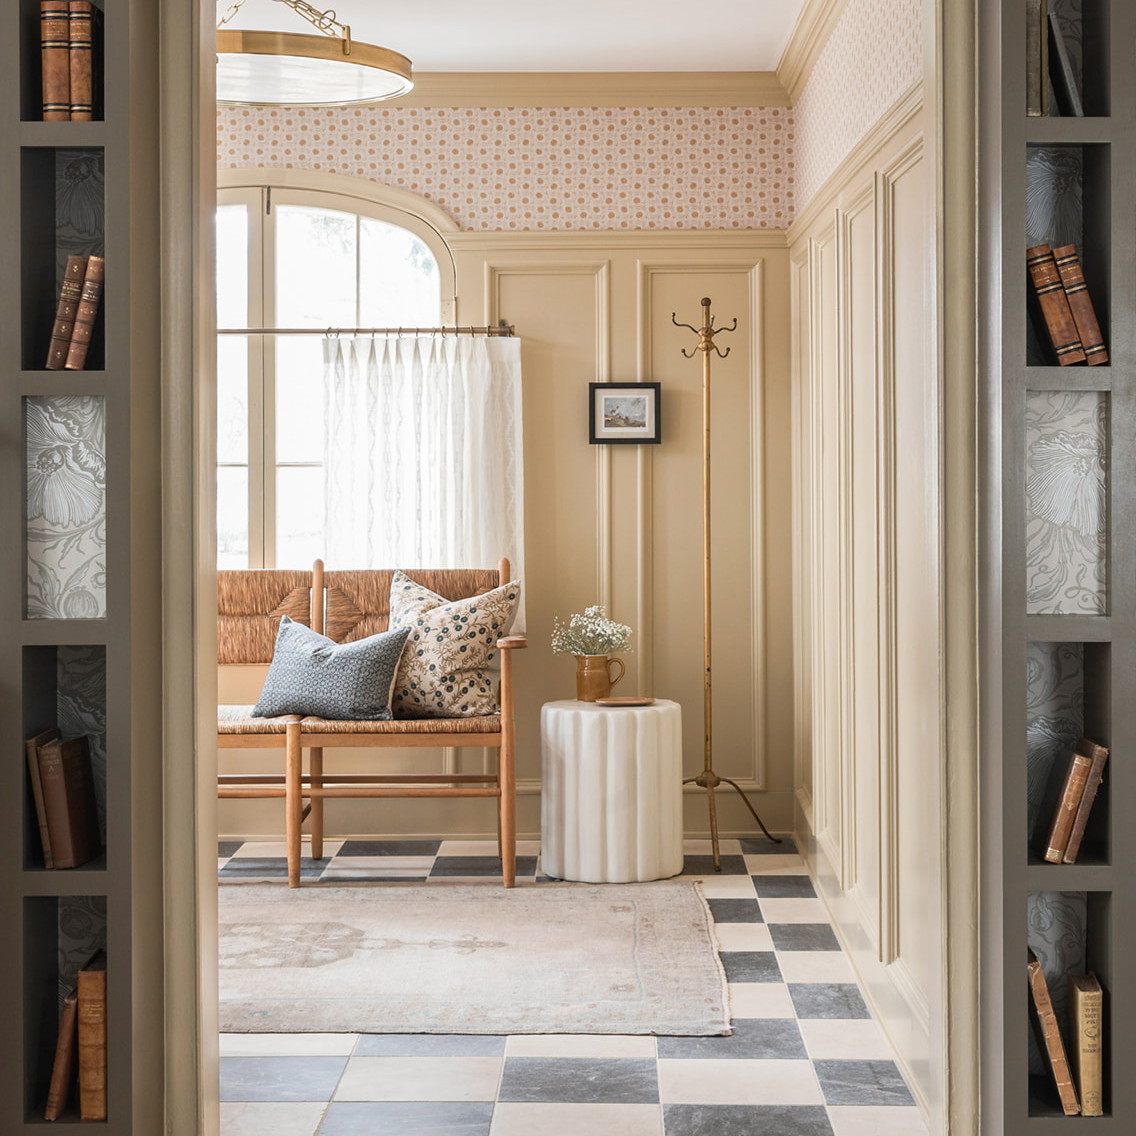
point(1067, 805)
point(1080, 304)
point(32, 750)
point(1054, 306)
point(85, 315)
point(92, 1045)
point(1037, 59)
point(55, 51)
point(70, 293)
point(60, 1087)
point(54, 787)
point(80, 23)
point(1096, 773)
point(1051, 1034)
point(1086, 1009)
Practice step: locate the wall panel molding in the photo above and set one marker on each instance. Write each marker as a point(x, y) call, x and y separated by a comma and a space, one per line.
point(699, 242)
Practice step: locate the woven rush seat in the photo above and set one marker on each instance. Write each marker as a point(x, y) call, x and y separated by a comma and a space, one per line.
point(489, 724)
point(239, 720)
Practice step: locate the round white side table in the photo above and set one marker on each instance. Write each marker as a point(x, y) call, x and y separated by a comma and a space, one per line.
point(611, 794)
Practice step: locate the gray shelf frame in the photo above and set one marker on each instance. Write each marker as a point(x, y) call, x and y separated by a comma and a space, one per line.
point(1008, 876)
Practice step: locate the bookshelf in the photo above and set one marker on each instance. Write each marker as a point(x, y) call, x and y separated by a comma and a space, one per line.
point(79, 552)
point(1058, 602)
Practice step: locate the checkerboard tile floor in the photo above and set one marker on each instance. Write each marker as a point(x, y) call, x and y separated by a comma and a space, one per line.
point(805, 1057)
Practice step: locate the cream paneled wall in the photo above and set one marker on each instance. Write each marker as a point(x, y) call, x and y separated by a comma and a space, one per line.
point(868, 604)
point(622, 524)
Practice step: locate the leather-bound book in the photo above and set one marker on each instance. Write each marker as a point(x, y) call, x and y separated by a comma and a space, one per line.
point(32, 747)
point(61, 1070)
point(85, 316)
point(70, 292)
point(69, 801)
point(1086, 1018)
point(55, 52)
point(92, 989)
point(1054, 306)
point(1037, 58)
point(1065, 815)
point(81, 20)
point(1051, 1036)
point(1099, 756)
point(1080, 304)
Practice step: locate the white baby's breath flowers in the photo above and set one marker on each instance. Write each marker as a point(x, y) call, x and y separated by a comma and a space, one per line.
point(590, 633)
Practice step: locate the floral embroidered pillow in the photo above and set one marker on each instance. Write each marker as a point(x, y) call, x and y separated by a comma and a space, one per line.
point(447, 669)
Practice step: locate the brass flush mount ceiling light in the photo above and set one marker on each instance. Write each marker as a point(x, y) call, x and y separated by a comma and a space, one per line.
point(283, 69)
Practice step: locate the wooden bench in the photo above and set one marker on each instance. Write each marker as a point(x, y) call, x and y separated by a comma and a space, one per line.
point(346, 606)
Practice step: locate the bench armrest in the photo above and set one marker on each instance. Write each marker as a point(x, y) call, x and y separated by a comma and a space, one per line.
point(512, 642)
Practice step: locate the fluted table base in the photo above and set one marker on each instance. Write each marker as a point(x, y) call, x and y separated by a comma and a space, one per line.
point(611, 795)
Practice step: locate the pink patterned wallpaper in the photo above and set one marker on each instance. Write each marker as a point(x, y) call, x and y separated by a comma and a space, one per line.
point(874, 54)
point(544, 168)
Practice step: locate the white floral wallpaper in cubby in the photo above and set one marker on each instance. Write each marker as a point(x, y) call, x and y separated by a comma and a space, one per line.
point(526, 168)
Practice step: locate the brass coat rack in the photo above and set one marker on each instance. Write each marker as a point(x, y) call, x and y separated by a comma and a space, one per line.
point(708, 779)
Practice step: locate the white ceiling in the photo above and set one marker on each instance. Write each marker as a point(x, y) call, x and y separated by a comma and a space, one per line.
point(538, 35)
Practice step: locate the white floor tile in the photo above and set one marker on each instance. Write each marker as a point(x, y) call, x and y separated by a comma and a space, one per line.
point(815, 966)
point(420, 1079)
point(743, 937)
point(737, 1081)
point(340, 872)
point(706, 847)
point(840, 1039)
point(279, 1119)
point(579, 1045)
point(715, 886)
point(790, 865)
point(852, 1120)
point(794, 911)
point(277, 848)
point(760, 1000)
point(287, 1044)
point(577, 1119)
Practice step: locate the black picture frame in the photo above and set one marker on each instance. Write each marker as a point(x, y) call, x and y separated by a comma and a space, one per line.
point(624, 414)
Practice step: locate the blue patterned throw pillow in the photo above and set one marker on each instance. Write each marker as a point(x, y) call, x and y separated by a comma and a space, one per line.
point(313, 675)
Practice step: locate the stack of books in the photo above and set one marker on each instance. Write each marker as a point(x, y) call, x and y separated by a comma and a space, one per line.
point(63, 791)
point(67, 52)
point(1066, 306)
point(82, 1033)
point(79, 297)
point(1079, 1084)
point(1051, 85)
point(1078, 792)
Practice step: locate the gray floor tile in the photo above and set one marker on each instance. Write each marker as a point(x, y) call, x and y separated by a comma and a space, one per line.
point(768, 1038)
point(269, 867)
point(280, 1078)
point(745, 1120)
point(862, 1082)
point(429, 1045)
point(704, 865)
point(479, 866)
point(750, 966)
point(401, 1118)
point(827, 1000)
point(759, 846)
point(735, 910)
point(783, 887)
point(803, 937)
point(228, 847)
point(390, 848)
point(579, 1080)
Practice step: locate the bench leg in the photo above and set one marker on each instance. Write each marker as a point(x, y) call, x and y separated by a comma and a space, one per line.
point(293, 801)
point(316, 769)
point(507, 808)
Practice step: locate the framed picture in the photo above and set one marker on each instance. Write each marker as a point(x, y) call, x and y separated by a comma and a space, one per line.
point(625, 413)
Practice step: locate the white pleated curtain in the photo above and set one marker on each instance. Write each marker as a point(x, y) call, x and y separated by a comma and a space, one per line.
point(423, 452)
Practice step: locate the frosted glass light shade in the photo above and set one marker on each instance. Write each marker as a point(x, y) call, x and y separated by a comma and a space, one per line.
point(282, 69)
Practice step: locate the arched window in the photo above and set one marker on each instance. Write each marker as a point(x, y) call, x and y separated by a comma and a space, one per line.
point(300, 251)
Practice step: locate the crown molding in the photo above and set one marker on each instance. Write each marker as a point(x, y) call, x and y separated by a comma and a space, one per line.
point(670, 240)
point(810, 33)
point(594, 89)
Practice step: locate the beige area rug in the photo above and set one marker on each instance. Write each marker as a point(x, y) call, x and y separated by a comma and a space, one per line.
point(440, 958)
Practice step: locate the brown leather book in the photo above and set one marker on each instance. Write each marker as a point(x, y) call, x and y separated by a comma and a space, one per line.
point(92, 988)
point(1068, 802)
point(60, 1087)
point(70, 292)
point(1086, 1018)
point(1054, 306)
point(1051, 1034)
point(32, 747)
point(85, 316)
point(1080, 304)
point(69, 801)
point(81, 28)
point(55, 51)
point(1099, 756)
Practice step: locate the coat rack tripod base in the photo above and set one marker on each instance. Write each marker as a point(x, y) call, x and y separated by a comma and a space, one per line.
point(708, 779)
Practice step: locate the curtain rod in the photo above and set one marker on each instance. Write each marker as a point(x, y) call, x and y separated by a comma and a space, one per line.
point(502, 329)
